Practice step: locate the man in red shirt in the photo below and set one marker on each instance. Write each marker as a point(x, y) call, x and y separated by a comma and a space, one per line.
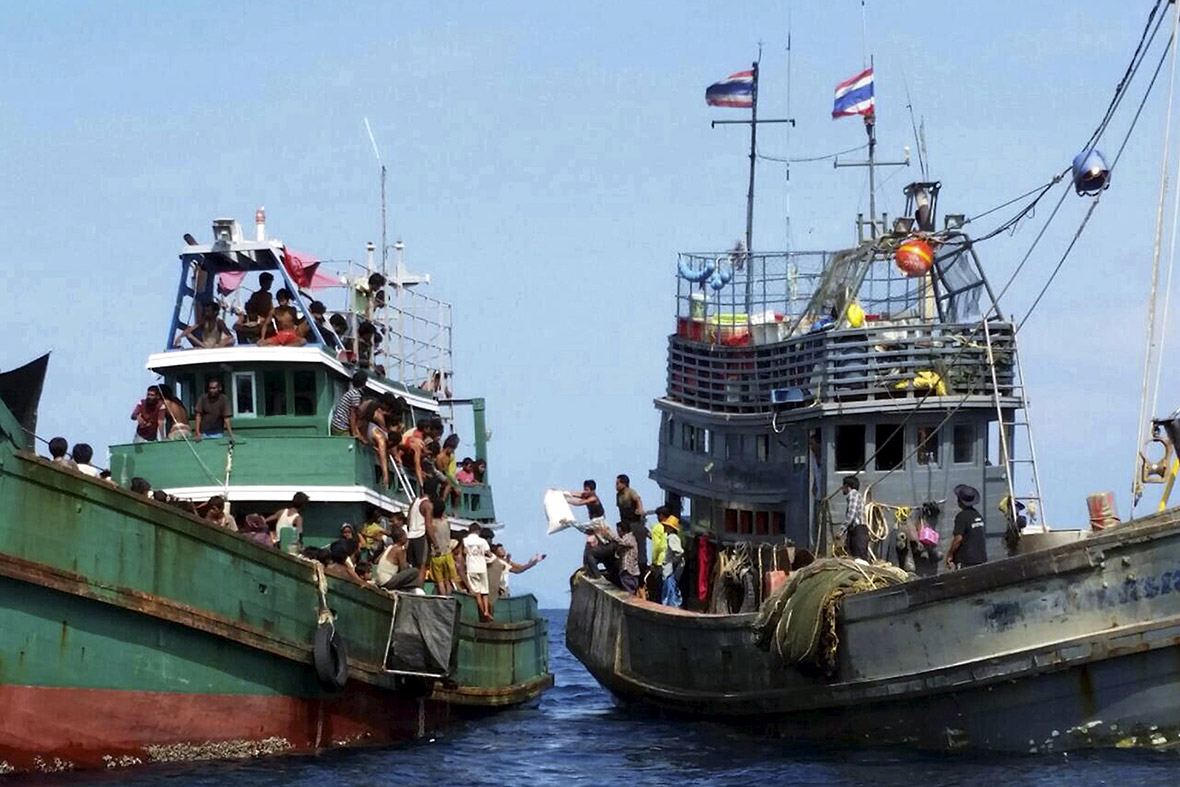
point(149, 416)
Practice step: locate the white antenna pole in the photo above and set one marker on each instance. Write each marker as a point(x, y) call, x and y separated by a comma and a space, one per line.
point(384, 240)
point(788, 156)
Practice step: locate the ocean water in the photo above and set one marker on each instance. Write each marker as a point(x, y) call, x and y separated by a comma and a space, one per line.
point(575, 735)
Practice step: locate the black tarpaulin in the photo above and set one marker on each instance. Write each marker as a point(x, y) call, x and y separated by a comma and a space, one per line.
point(425, 634)
point(20, 390)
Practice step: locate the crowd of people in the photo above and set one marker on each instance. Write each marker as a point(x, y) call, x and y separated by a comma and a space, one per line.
point(404, 551)
point(392, 550)
point(272, 319)
point(621, 555)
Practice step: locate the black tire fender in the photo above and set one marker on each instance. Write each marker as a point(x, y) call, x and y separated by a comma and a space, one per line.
point(331, 658)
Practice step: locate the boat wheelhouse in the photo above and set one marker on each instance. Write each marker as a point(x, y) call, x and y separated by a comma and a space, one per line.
point(790, 370)
point(282, 397)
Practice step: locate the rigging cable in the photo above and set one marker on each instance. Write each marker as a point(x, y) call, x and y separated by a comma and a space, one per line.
point(1132, 69)
point(809, 159)
point(1152, 297)
point(1014, 199)
point(1094, 202)
point(1136, 58)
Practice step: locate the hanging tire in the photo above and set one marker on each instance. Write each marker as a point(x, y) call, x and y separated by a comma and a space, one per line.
point(331, 658)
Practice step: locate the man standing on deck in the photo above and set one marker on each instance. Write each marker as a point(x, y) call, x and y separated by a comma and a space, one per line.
point(969, 547)
point(344, 420)
point(659, 546)
point(442, 562)
point(631, 512)
point(418, 522)
point(212, 413)
point(149, 417)
point(856, 531)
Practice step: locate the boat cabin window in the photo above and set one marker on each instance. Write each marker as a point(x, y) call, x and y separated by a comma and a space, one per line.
point(186, 387)
point(754, 523)
point(926, 440)
point(890, 446)
point(850, 447)
point(733, 446)
point(964, 444)
point(304, 392)
point(688, 438)
point(243, 394)
point(762, 447)
point(274, 393)
point(671, 431)
point(706, 441)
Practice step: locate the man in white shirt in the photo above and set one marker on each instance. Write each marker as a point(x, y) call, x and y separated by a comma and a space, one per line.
point(82, 454)
point(476, 552)
point(418, 521)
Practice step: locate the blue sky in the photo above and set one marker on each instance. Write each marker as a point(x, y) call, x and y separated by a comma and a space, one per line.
point(547, 161)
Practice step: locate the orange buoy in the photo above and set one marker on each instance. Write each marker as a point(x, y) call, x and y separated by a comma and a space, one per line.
point(914, 257)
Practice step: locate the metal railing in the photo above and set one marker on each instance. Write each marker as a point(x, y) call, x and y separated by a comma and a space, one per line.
point(873, 362)
point(735, 288)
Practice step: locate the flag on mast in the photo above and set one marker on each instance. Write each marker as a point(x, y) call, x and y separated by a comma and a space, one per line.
point(736, 90)
point(854, 96)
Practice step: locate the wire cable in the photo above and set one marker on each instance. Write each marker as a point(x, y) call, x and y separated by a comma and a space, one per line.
point(809, 159)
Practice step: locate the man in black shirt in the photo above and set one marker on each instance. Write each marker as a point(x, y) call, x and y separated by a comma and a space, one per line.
point(212, 413)
point(969, 547)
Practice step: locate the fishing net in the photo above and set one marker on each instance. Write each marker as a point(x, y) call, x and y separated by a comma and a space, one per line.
point(798, 621)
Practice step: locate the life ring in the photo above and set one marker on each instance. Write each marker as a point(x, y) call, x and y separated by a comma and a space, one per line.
point(331, 658)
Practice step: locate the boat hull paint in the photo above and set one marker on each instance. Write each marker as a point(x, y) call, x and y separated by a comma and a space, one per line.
point(52, 729)
point(1074, 646)
point(85, 684)
point(197, 643)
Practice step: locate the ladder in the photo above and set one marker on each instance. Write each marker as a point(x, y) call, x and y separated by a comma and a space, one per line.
point(403, 480)
point(1034, 502)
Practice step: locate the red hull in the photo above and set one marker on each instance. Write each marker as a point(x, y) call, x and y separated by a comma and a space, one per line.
point(56, 729)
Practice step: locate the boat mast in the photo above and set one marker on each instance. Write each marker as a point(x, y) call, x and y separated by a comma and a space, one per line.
point(750, 192)
point(753, 121)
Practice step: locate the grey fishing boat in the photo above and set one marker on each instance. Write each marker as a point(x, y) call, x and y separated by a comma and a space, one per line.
point(892, 362)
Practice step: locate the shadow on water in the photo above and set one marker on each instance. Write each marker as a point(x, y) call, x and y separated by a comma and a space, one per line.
point(575, 734)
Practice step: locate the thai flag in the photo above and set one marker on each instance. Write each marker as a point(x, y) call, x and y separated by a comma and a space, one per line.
point(736, 90)
point(854, 96)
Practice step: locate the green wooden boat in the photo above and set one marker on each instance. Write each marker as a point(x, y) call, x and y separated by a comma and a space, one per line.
point(134, 632)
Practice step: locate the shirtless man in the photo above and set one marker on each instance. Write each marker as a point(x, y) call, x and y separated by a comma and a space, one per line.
point(373, 427)
point(285, 319)
point(413, 449)
point(179, 428)
point(442, 564)
point(258, 311)
point(209, 330)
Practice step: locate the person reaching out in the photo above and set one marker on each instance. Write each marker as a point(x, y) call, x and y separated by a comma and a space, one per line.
point(503, 561)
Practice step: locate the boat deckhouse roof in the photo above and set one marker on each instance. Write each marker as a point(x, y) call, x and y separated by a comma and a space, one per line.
point(202, 265)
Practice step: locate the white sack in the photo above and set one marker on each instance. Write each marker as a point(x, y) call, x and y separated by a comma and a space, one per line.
point(557, 511)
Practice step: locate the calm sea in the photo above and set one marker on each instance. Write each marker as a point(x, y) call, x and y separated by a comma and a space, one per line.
point(575, 735)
